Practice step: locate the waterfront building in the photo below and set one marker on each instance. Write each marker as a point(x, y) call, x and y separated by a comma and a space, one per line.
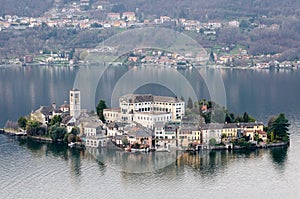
point(75, 107)
point(229, 132)
point(250, 129)
point(188, 135)
point(137, 134)
point(95, 135)
point(96, 141)
point(211, 131)
point(165, 135)
point(86, 118)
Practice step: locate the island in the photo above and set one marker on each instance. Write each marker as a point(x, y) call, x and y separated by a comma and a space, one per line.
point(145, 122)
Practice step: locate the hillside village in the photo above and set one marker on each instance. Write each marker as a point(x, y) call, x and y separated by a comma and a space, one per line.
point(143, 122)
point(102, 16)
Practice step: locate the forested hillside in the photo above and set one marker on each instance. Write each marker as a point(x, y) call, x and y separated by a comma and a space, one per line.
point(254, 33)
point(30, 8)
point(213, 9)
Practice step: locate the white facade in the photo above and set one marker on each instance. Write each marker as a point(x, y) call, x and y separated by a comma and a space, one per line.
point(93, 129)
point(96, 141)
point(212, 131)
point(148, 103)
point(111, 115)
point(165, 136)
point(75, 106)
point(149, 119)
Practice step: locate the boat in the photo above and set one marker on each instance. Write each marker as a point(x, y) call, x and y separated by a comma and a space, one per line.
point(163, 150)
point(71, 144)
point(140, 150)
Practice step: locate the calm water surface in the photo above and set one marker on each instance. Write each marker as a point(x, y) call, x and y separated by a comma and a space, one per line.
point(38, 170)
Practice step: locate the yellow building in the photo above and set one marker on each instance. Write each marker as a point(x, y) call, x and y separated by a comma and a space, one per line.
point(188, 135)
point(250, 129)
point(229, 132)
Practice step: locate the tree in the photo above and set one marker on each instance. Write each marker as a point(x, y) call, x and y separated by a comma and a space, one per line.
point(280, 126)
point(57, 133)
point(22, 121)
point(55, 120)
point(246, 117)
point(239, 119)
point(212, 142)
point(182, 98)
point(125, 141)
point(119, 8)
point(34, 128)
point(244, 24)
point(75, 131)
point(229, 118)
point(11, 125)
point(190, 103)
point(100, 107)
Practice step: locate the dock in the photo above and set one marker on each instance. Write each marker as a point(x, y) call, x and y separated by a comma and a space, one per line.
point(13, 132)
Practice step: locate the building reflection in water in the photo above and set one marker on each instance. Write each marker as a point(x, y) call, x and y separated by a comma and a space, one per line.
point(139, 165)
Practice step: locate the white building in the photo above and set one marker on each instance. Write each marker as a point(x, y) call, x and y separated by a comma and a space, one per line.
point(146, 109)
point(148, 103)
point(210, 131)
point(148, 119)
point(165, 136)
point(111, 115)
point(75, 103)
point(95, 135)
point(115, 128)
point(93, 129)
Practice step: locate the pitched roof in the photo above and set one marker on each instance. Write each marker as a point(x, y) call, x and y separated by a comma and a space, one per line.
point(66, 119)
point(138, 131)
point(136, 98)
point(46, 110)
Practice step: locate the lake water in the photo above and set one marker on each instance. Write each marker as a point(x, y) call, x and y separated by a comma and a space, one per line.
point(38, 170)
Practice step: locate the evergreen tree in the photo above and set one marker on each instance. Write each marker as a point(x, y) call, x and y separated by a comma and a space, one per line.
point(246, 117)
point(100, 107)
point(22, 121)
point(190, 103)
point(280, 126)
point(55, 120)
